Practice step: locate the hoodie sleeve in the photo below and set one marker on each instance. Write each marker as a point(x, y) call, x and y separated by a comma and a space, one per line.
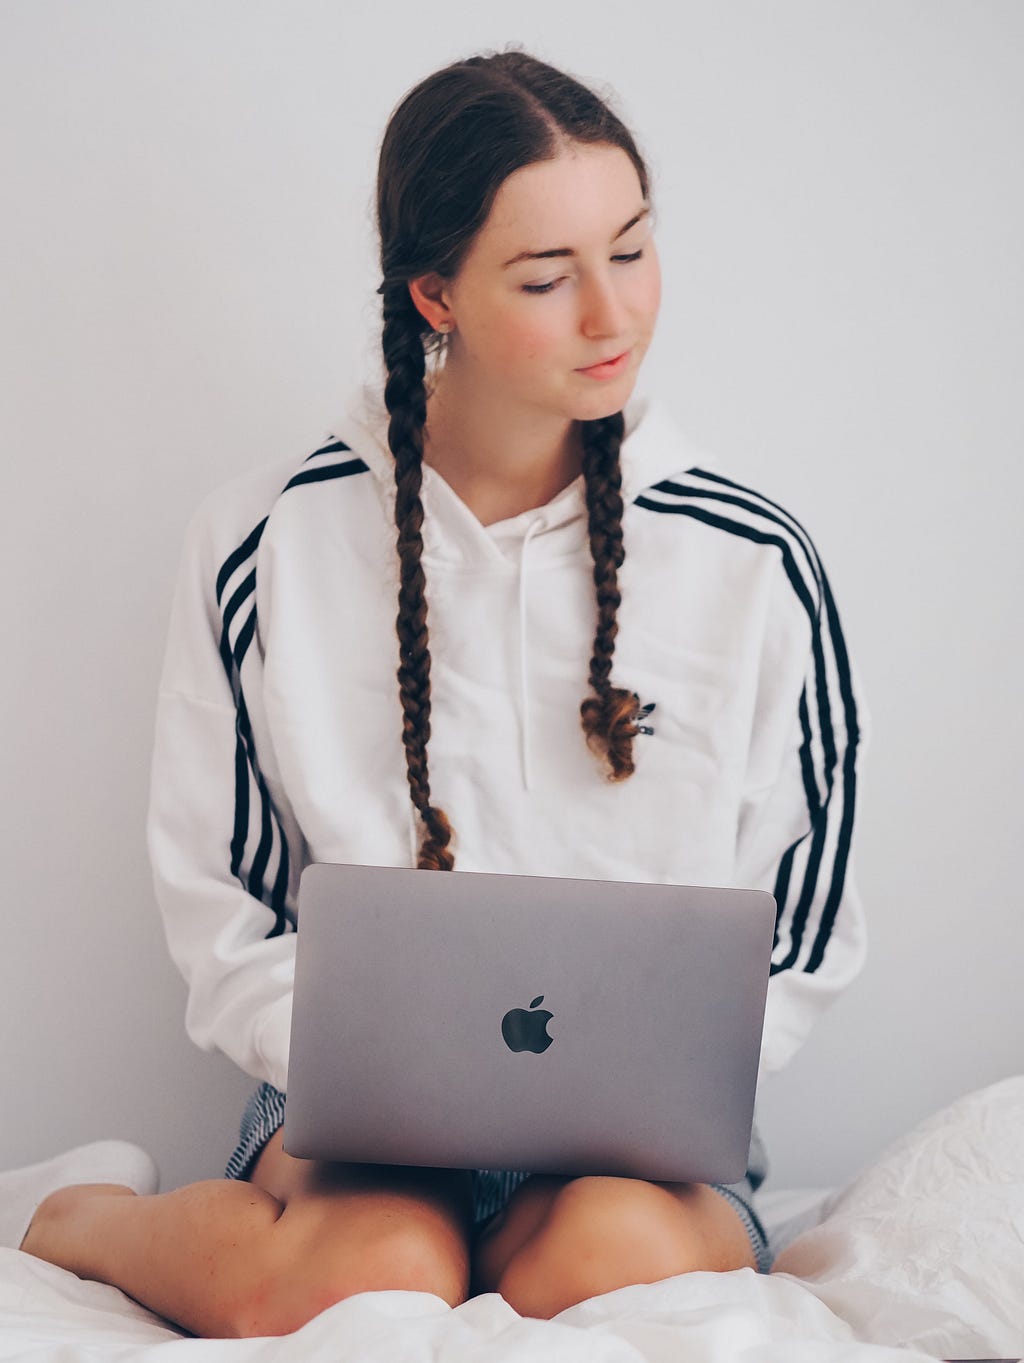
point(795, 834)
point(224, 846)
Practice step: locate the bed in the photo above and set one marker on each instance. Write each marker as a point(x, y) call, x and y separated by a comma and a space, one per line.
point(920, 1257)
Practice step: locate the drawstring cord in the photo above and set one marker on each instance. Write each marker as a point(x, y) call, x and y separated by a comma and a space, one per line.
point(524, 687)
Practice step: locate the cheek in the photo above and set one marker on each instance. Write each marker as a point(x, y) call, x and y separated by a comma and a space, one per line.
point(523, 336)
point(649, 293)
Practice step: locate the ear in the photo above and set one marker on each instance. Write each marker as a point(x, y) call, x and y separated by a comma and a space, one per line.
point(429, 293)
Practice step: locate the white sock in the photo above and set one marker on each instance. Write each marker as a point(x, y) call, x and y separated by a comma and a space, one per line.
point(22, 1190)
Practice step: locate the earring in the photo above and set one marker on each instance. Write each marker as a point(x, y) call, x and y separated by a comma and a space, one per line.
point(444, 327)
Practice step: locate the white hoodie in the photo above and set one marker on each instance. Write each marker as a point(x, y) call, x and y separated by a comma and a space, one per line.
point(278, 727)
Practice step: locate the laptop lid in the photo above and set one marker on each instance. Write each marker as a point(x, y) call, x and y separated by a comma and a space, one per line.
point(475, 1020)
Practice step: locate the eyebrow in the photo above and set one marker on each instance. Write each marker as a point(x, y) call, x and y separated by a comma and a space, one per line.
point(566, 250)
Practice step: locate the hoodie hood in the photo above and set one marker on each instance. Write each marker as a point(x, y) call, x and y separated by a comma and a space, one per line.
point(653, 447)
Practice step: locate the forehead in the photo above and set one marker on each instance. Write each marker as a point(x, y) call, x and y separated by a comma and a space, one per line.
point(582, 196)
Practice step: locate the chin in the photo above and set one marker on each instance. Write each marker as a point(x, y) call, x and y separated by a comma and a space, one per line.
point(605, 402)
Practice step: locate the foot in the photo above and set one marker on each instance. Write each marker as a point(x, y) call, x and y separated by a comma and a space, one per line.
point(43, 1234)
point(112, 1163)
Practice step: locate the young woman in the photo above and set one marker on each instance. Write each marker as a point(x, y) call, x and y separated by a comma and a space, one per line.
point(610, 662)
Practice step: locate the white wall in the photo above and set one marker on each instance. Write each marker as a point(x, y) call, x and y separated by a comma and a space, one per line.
point(188, 289)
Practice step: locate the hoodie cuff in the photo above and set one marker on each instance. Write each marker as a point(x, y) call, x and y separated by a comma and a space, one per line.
point(273, 1041)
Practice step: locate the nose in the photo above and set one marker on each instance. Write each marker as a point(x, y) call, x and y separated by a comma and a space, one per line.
point(601, 310)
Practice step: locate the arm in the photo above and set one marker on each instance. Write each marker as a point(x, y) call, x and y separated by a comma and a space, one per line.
point(795, 835)
point(224, 845)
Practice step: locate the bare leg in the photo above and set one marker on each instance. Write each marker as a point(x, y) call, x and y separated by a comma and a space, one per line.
point(224, 1258)
point(187, 1254)
point(564, 1241)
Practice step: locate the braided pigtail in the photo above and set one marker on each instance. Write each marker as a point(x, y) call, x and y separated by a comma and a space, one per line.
point(609, 716)
point(449, 146)
point(406, 400)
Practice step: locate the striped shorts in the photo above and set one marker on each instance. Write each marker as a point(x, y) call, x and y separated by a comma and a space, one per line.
point(491, 1188)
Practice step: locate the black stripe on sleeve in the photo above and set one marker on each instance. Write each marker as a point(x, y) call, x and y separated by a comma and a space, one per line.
point(241, 826)
point(321, 475)
point(333, 447)
point(244, 551)
point(849, 786)
point(809, 882)
point(235, 642)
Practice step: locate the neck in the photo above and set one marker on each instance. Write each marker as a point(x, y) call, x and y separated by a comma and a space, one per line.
point(498, 457)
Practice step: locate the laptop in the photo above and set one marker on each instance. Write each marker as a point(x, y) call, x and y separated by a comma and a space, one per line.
point(558, 1025)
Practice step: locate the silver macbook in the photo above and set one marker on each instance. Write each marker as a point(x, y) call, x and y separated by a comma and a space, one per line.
point(565, 1026)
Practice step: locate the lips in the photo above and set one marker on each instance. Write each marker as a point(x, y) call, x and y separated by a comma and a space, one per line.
point(610, 359)
point(604, 370)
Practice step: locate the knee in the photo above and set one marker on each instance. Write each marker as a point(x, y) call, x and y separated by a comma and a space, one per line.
point(290, 1287)
point(627, 1222)
point(601, 1233)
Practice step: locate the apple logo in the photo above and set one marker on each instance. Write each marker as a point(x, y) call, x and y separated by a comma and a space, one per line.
point(525, 1031)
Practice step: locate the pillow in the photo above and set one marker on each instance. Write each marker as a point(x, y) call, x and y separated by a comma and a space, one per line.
point(925, 1249)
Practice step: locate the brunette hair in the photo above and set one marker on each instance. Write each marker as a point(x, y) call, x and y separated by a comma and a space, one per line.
point(448, 147)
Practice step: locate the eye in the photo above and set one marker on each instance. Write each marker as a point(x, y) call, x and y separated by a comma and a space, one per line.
point(540, 288)
point(546, 288)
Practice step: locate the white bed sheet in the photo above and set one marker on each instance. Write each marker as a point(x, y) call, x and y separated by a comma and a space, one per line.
point(921, 1257)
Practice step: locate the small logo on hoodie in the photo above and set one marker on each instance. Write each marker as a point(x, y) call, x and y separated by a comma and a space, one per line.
point(643, 712)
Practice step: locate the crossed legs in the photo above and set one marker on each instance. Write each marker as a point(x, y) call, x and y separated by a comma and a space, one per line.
point(228, 1258)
